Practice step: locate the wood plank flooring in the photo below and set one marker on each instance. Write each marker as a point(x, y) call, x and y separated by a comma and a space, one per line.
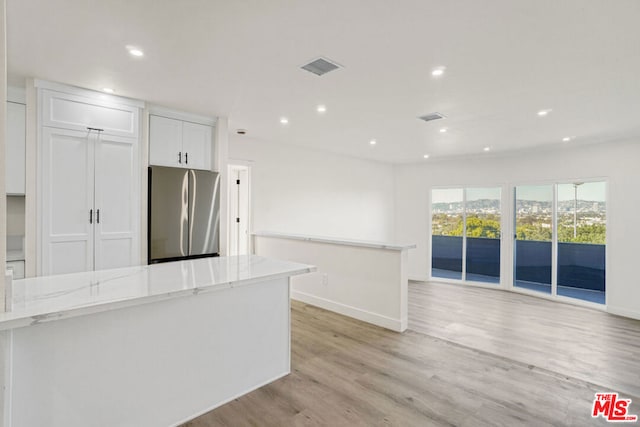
point(472, 357)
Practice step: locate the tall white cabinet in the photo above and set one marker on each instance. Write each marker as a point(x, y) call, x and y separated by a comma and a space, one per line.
point(89, 188)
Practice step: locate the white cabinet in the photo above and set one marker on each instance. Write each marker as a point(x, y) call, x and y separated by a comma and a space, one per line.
point(90, 194)
point(179, 143)
point(196, 143)
point(116, 198)
point(165, 141)
point(15, 149)
point(77, 112)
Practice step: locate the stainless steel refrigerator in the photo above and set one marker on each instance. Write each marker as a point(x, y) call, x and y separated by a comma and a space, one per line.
point(184, 214)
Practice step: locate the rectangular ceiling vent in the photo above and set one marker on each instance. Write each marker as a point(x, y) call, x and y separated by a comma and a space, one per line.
point(431, 116)
point(320, 66)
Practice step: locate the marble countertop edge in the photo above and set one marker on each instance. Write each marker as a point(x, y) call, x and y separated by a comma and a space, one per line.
point(29, 317)
point(337, 241)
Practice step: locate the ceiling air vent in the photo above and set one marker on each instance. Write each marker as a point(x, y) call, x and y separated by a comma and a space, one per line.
point(431, 116)
point(320, 66)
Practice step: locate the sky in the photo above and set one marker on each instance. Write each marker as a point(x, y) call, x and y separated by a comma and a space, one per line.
point(592, 191)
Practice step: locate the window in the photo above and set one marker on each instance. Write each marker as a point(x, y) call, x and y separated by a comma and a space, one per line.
point(582, 238)
point(533, 237)
point(447, 223)
point(483, 234)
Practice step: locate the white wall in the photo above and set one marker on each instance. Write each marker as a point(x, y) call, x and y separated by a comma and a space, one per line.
point(371, 286)
point(616, 162)
point(3, 115)
point(296, 190)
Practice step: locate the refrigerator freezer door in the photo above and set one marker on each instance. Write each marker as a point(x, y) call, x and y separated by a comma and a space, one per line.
point(168, 212)
point(204, 209)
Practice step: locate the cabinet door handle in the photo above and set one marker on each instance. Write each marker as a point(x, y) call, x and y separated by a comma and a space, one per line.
point(98, 216)
point(180, 157)
point(186, 158)
point(90, 216)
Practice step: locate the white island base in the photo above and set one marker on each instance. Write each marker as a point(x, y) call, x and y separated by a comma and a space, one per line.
point(173, 355)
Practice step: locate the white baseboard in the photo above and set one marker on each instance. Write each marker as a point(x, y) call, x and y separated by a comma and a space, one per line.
point(397, 325)
point(623, 312)
point(418, 278)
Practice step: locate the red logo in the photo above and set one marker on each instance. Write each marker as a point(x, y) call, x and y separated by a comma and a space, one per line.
point(609, 407)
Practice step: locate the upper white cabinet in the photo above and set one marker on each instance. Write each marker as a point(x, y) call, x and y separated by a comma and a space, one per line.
point(15, 149)
point(179, 143)
point(196, 143)
point(66, 111)
point(165, 141)
point(89, 203)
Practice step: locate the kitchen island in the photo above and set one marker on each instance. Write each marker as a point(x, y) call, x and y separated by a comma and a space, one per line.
point(144, 346)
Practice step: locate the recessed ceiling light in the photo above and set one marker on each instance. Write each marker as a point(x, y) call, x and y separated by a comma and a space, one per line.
point(543, 113)
point(373, 142)
point(321, 108)
point(135, 51)
point(566, 139)
point(437, 72)
point(487, 148)
point(284, 120)
point(107, 90)
point(443, 130)
point(426, 156)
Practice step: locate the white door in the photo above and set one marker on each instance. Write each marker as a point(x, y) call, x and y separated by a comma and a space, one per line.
point(196, 144)
point(116, 202)
point(67, 201)
point(165, 142)
point(239, 214)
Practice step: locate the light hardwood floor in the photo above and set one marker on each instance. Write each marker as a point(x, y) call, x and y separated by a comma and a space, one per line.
point(472, 357)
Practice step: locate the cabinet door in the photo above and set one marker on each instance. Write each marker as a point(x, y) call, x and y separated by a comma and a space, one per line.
point(165, 142)
point(16, 116)
point(67, 200)
point(62, 110)
point(117, 197)
point(196, 143)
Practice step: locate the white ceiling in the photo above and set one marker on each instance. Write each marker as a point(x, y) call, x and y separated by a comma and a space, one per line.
point(504, 60)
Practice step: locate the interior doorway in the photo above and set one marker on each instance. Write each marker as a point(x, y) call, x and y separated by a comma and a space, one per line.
point(239, 209)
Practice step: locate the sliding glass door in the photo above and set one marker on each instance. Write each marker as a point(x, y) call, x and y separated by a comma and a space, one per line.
point(560, 239)
point(465, 234)
point(533, 237)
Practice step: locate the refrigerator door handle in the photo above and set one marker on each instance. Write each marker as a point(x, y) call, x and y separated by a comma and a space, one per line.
point(184, 220)
point(193, 188)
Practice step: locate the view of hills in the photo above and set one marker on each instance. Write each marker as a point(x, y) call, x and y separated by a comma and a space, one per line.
point(522, 206)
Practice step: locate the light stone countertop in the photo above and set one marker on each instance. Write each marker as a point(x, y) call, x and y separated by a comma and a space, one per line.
point(337, 241)
point(42, 299)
